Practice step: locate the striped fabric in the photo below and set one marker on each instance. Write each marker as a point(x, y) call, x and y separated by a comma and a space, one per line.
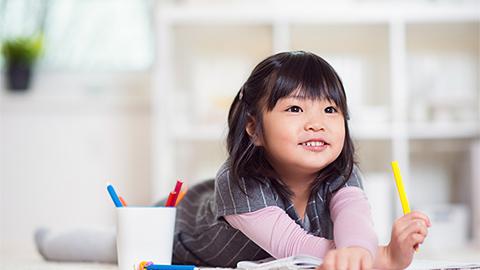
point(204, 238)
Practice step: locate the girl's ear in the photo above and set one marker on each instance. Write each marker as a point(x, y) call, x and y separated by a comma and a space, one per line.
point(250, 129)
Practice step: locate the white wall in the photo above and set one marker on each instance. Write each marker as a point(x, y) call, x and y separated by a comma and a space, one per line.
point(56, 154)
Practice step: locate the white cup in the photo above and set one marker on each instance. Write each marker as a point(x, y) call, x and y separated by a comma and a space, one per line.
point(144, 234)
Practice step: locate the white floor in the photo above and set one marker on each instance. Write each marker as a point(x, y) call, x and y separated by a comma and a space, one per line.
point(10, 259)
point(467, 254)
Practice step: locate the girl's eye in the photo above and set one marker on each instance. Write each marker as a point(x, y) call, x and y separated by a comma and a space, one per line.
point(331, 109)
point(294, 109)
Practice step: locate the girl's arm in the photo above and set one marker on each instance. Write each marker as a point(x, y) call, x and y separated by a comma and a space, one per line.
point(354, 236)
point(352, 220)
point(276, 233)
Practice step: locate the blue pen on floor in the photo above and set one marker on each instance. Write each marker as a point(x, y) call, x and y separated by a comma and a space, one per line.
point(171, 267)
point(114, 196)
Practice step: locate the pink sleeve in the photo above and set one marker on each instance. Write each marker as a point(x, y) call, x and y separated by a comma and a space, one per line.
point(276, 233)
point(352, 220)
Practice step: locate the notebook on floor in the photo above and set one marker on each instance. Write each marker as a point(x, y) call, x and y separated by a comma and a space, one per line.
point(309, 262)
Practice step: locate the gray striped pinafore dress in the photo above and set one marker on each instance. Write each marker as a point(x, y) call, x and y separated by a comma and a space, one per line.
point(204, 238)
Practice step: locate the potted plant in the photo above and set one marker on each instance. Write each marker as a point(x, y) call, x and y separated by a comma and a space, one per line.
point(20, 55)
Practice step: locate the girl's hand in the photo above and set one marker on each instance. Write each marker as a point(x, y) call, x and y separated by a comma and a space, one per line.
point(408, 232)
point(347, 259)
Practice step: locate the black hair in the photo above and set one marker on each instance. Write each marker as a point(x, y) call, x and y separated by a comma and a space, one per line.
point(300, 73)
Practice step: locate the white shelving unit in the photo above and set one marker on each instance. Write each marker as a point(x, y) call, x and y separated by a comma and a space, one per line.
point(391, 58)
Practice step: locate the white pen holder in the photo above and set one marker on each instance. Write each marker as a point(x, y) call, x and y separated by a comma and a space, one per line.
point(144, 234)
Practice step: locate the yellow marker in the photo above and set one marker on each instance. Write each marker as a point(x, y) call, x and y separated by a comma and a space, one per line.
point(400, 188)
point(401, 191)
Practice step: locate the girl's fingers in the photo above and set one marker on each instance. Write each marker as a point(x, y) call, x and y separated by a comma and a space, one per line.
point(417, 239)
point(416, 226)
point(412, 239)
point(414, 215)
point(355, 263)
point(400, 225)
point(341, 262)
point(406, 222)
point(359, 262)
point(419, 215)
point(366, 263)
point(329, 261)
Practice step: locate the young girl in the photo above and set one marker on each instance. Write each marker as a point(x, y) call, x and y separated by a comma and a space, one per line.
point(290, 185)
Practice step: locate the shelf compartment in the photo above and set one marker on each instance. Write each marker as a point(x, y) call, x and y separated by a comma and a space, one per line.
point(442, 63)
point(441, 185)
point(195, 162)
point(211, 64)
point(360, 55)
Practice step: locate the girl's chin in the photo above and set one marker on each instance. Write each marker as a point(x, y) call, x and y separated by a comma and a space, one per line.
point(314, 168)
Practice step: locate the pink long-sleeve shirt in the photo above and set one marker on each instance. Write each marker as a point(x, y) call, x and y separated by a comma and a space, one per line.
point(274, 231)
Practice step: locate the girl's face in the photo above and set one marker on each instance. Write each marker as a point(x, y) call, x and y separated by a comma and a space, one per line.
point(302, 135)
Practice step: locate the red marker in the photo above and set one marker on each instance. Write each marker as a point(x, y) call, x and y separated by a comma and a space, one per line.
point(170, 199)
point(178, 187)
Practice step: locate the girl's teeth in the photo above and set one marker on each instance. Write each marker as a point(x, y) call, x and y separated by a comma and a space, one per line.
point(313, 143)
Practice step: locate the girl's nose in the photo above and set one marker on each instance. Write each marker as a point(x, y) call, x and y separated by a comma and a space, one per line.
point(314, 124)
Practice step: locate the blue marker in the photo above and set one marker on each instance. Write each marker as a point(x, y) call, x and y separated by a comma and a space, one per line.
point(170, 267)
point(114, 196)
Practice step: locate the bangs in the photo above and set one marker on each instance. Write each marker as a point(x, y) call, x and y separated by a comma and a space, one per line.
point(305, 75)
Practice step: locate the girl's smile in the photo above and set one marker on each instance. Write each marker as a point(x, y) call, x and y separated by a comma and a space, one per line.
point(314, 145)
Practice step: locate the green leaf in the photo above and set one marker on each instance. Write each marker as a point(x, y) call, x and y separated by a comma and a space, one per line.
point(22, 50)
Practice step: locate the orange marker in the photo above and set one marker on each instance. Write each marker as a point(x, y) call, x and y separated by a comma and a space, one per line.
point(124, 203)
point(180, 197)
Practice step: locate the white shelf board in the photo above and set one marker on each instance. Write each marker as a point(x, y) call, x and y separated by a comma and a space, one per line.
point(371, 131)
point(218, 132)
point(200, 133)
point(363, 131)
point(444, 130)
point(37, 102)
point(313, 12)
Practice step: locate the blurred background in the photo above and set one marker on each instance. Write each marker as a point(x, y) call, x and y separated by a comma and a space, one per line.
point(136, 93)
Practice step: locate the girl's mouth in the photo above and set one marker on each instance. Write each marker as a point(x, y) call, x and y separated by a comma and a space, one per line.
point(314, 146)
point(314, 143)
